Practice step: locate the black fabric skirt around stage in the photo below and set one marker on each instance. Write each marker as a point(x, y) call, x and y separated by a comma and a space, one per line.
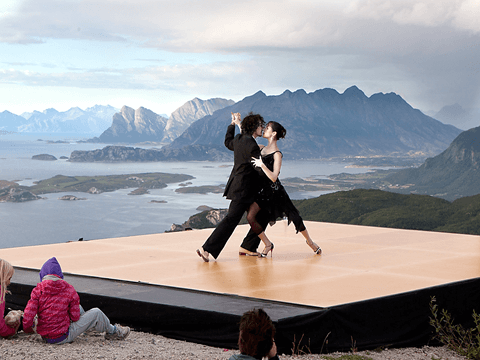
point(212, 319)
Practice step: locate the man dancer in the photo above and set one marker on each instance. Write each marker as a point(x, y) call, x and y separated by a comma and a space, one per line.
point(242, 184)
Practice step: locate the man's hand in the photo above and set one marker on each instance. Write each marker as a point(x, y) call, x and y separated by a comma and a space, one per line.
point(257, 162)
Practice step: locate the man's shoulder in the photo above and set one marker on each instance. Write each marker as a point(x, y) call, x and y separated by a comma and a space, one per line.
point(245, 138)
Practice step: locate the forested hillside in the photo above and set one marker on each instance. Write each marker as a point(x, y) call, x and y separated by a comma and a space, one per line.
point(386, 209)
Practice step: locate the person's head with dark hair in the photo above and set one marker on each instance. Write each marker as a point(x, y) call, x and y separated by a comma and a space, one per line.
point(256, 334)
point(278, 128)
point(251, 122)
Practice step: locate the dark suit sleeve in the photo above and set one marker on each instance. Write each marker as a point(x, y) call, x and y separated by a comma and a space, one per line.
point(229, 136)
point(256, 153)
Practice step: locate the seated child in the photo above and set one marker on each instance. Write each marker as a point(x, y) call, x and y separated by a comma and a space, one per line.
point(6, 272)
point(60, 317)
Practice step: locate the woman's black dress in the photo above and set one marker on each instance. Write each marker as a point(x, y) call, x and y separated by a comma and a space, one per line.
point(273, 198)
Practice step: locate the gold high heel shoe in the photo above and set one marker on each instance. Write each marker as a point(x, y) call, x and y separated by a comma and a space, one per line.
point(316, 249)
point(265, 251)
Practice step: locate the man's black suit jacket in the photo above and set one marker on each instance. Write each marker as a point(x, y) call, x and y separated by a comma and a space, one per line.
point(244, 179)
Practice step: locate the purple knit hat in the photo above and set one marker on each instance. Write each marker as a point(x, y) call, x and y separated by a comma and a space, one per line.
point(51, 267)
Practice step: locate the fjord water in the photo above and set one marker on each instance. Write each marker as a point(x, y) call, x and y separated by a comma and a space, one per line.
point(112, 214)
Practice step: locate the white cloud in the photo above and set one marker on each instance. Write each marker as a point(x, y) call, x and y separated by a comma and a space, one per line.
point(422, 49)
point(459, 14)
point(235, 26)
point(187, 26)
point(200, 78)
point(467, 16)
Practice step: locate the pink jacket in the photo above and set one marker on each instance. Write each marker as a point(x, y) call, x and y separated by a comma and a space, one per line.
point(5, 330)
point(57, 303)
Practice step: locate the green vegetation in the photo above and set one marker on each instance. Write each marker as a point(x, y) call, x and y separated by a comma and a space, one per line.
point(61, 183)
point(386, 209)
point(465, 342)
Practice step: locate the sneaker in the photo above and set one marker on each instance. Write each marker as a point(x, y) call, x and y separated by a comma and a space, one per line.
point(120, 333)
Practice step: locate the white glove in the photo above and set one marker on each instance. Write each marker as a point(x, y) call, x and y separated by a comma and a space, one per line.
point(257, 162)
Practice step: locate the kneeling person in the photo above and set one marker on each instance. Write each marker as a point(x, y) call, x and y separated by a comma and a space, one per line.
point(60, 317)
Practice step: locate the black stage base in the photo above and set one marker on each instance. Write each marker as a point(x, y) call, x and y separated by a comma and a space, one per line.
point(400, 320)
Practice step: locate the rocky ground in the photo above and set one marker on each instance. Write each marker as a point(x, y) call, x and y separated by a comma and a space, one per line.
point(147, 346)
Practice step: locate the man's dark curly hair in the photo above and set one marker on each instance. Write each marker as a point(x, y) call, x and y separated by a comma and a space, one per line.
point(256, 333)
point(251, 122)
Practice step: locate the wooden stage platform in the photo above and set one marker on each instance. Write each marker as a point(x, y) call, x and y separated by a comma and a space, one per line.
point(358, 262)
point(370, 284)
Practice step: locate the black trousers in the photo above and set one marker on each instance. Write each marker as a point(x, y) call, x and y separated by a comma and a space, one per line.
point(219, 237)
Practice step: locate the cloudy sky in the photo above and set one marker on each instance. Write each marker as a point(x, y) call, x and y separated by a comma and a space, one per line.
point(160, 54)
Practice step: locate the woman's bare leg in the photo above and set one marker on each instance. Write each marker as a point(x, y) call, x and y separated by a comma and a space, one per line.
point(316, 249)
point(268, 244)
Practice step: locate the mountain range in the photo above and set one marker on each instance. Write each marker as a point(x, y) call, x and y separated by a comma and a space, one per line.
point(141, 125)
point(325, 124)
point(321, 124)
point(74, 121)
point(465, 118)
point(452, 174)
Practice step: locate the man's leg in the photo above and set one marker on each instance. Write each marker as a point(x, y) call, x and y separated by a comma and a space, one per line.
point(251, 240)
point(219, 237)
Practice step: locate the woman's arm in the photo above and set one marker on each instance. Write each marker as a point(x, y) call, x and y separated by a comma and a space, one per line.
point(237, 120)
point(277, 164)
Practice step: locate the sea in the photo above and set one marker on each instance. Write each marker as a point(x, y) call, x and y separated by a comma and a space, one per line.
point(113, 214)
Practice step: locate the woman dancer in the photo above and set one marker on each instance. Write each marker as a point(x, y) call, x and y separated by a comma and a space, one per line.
point(272, 196)
point(6, 273)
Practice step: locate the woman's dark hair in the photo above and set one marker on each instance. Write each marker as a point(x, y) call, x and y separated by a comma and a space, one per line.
point(281, 132)
point(256, 333)
point(251, 122)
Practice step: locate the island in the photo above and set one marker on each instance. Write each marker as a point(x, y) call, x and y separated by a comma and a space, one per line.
point(44, 157)
point(139, 191)
point(71, 198)
point(12, 192)
point(106, 183)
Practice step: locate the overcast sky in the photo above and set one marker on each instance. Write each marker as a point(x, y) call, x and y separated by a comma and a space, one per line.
point(160, 54)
